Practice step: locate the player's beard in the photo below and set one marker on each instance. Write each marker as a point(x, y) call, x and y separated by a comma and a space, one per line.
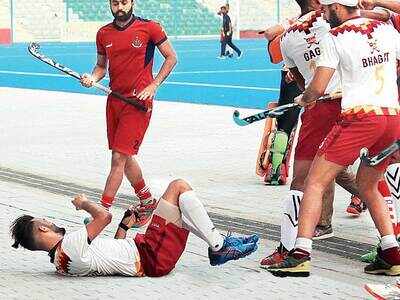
point(334, 20)
point(125, 16)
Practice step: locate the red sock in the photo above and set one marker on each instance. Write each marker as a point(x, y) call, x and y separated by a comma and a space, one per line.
point(142, 191)
point(300, 253)
point(107, 201)
point(391, 256)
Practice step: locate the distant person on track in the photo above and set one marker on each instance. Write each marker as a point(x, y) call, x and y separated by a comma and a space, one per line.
point(226, 35)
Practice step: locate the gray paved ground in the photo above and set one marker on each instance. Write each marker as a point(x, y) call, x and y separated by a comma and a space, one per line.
point(62, 136)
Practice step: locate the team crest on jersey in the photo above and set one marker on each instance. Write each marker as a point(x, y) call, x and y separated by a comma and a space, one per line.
point(373, 45)
point(137, 43)
point(312, 40)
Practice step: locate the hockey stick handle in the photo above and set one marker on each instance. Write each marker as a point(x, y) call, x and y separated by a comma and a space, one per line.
point(33, 49)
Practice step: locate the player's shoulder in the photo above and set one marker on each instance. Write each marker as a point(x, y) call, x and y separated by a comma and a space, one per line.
point(147, 22)
point(105, 28)
point(363, 26)
point(304, 23)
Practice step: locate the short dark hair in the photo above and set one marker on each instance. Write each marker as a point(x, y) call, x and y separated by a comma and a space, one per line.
point(303, 3)
point(21, 231)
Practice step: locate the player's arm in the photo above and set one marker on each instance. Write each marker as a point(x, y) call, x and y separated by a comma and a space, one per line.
point(170, 60)
point(392, 5)
point(101, 217)
point(317, 87)
point(98, 73)
point(301, 83)
point(381, 15)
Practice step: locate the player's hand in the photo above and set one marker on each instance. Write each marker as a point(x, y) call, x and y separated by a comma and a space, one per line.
point(149, 92)
point(299, 101)
point(130, 218)
point(87, 80)
point(366, 4)
point(79, 200)
point(289, 77)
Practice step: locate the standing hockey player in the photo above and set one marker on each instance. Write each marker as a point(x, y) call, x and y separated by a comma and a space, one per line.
point(127, 45)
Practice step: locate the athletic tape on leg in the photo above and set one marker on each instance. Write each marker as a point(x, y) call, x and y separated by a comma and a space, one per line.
point(291, 206)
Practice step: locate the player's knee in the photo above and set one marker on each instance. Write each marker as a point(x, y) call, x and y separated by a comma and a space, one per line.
point(180, 186)
point(298, 182)
point(119, 159)
point(314, 185)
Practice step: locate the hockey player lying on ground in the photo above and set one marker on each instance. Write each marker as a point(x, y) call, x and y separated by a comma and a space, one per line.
point(155, 253)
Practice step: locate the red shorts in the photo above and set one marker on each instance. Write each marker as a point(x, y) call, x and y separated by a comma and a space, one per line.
point(161, 246)
point(126, 126)
point(343, 144)
point(316, 123)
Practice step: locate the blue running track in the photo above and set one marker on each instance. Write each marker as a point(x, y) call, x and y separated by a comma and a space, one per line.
point(198, 78)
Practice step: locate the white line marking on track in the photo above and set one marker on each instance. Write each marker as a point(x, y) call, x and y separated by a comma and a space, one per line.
point(225, 71)
point(167, 82)
point(241, 87)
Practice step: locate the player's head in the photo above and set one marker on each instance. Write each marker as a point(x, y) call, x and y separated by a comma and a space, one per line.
point(223, 10)
point(307, 5)
point(122, 10)
point(33, 233)
point(338, 11)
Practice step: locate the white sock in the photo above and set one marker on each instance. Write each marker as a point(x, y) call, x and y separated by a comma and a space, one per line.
point(195, 216)
point(291, 206)
point(389, 241)
point(304, 244)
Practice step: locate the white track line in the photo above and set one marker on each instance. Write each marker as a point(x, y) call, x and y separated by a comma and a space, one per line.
point(241, 87)
point(167, 82)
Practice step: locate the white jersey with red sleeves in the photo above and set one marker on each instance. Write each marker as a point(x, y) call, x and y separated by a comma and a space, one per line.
point(75, 255)
point(364, 52)
point(300, 46)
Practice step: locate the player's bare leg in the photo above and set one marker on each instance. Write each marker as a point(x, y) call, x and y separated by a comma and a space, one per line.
point(114, 179)
point(367, 180)
point(387, 260)
point(134, 175)
point(321, 174)
point(132, 171)
point(347, 180)
point(324, 228)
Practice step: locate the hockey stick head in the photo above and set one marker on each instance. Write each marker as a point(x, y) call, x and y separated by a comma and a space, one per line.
point(33, 47)
point(238, 120)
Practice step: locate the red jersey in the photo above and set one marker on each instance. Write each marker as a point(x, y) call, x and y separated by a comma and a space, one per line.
point(130, 53)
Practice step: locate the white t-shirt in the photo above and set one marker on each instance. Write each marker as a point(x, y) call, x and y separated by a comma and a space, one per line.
point(300, 47)
point(103, 256)
point(364, 52)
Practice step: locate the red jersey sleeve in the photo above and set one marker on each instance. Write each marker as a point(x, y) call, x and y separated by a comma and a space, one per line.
point(99, 44)
point(157, 33)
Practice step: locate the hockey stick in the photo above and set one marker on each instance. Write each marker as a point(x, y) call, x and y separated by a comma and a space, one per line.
point(33, 49)
point(377, 159)
point(274, 112)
